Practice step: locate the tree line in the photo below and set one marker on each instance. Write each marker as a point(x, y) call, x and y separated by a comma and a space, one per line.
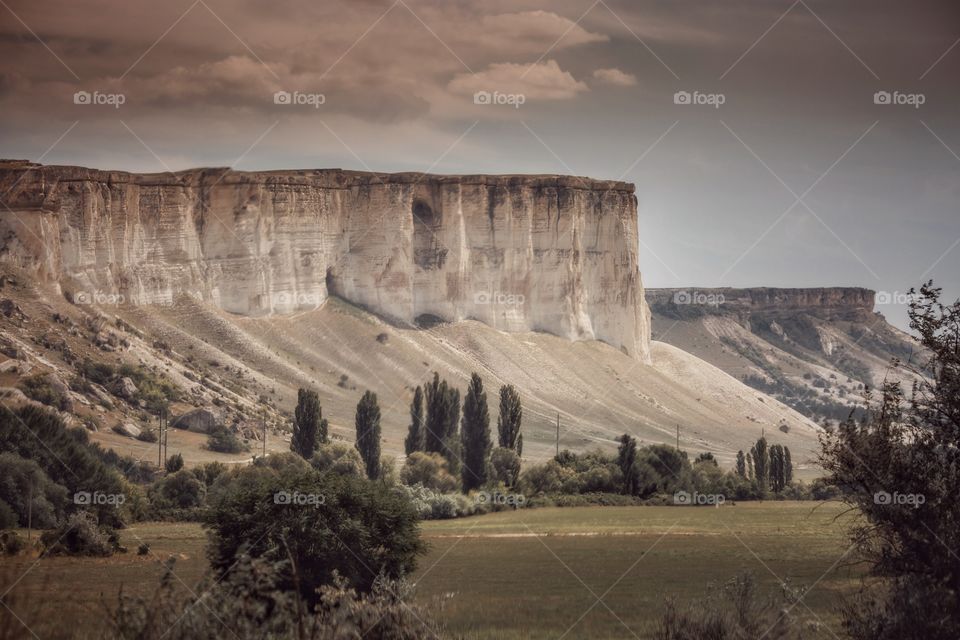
point(441, 427)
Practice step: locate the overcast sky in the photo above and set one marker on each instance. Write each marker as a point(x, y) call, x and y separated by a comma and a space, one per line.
point(788, 173)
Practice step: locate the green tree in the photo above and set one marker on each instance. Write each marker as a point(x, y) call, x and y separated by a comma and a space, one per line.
point(414, 440)
point(442, 403)
point(475, 435)
point(509, 419)
point(761, 464)
point(776, 468)
point(899, 469)
point(506, 466)
point(65, 455)
point(368, 433)
point(751, 471)
point(741, 464)
point(308, 424)
point(315, 523)
point(174, 463)
point(627, 461)
point(787, 467)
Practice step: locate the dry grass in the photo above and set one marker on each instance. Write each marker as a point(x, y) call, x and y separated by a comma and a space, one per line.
point(523, 574)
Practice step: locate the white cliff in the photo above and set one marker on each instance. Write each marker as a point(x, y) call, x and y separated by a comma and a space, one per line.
point(555, 254)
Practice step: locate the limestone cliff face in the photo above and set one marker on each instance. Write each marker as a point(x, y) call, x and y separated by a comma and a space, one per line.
point(519, 253)
point(828, 303)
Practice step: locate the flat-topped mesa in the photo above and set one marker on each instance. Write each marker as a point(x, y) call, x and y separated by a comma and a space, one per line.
point(518, 252)
point(823, 302)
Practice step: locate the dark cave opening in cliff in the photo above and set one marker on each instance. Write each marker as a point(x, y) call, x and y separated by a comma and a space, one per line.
point(427, 250)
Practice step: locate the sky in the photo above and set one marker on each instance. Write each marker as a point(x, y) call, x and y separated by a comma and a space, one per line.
point(772, 143)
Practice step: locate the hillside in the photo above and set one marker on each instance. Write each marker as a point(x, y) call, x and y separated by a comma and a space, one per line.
point(816, 350)
point(248, 369)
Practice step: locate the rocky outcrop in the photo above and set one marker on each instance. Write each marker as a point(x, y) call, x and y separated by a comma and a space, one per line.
point(198, 421)
point(814, 349)
point(127, 429)
point(828, 303)
point(520, 253)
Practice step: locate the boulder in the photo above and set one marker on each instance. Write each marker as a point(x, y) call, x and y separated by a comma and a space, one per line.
point(125, 388)
point(198, 421)
point(62, 389)
point(127, 429)
point(11, 309)
point(10, 349)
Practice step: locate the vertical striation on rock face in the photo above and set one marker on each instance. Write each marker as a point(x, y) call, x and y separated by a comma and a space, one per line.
point(520, 253)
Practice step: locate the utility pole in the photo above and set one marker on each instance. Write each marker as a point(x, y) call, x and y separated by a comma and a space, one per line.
point(678, 437)
point(264, 421)
point(166, 434)
point(558, 433)
point(160, 440)
point(30, 512)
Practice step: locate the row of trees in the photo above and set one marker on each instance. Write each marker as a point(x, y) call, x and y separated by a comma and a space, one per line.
point(769, 467)
point(437, 426)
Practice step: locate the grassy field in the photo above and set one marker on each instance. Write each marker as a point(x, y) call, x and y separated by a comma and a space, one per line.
point(541, 573)
point(605, 572)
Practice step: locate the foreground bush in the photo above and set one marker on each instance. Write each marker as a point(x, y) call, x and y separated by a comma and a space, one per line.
point(251, 602)
point(322, 523)
point(900, 469)
point(734, 611)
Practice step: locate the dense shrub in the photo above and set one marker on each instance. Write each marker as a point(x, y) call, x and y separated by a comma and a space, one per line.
point(174, 463)
point(39, 388)
point(505, 464)
point(429, 470)
point(155, 391)
point(222, 440)
point(180, 490)
point(209, 472)
point(435, 505)
point(253, 602)
point(338, 458)
point(80, 535)
point(322, 522)
point(65, 455)
point(24, 487)
point(11, 543)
